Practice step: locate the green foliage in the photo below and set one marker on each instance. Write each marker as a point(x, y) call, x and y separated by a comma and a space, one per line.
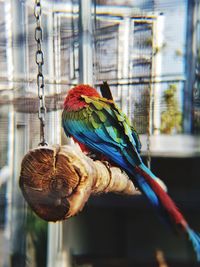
point(171, 118)
point(158, 49)
point(35, 224)
point(178, 53)
point(148, 41)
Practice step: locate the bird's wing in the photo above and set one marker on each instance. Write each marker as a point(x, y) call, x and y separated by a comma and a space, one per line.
point(104, 128)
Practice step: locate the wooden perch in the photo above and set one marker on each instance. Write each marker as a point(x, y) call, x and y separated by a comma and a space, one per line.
point(57, 181)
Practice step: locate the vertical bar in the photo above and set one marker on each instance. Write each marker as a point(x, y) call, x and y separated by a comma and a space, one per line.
point(9, 189)
point(18, 233)
point(85, 42)
point(9, 58)
point(189, 68)
point(126, 93)
point(8, 32)
point(19, 37)
point(18, 210)
point(57, 49)
point(125, 97)
point(158, 30)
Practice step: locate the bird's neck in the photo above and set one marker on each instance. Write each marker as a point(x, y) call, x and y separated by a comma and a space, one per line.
point(74, 102)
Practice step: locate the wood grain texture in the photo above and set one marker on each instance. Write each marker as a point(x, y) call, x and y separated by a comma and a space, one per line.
point(57, 181)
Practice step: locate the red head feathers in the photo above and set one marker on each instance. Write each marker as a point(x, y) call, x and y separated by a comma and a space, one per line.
point(74, 101)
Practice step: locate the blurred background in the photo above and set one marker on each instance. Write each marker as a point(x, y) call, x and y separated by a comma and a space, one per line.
point(149, 53)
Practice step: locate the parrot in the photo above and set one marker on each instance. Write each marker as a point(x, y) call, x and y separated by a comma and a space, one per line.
point(98, 124)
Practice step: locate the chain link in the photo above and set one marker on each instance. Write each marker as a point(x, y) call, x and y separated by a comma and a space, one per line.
point(39, 59)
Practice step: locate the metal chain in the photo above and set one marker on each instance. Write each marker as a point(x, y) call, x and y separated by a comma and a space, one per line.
point(39, 59)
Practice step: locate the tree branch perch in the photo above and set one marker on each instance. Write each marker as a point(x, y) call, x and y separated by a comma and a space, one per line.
point(57, 181)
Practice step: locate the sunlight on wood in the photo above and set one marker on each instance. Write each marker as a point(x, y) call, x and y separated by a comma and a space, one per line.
point(57, 181)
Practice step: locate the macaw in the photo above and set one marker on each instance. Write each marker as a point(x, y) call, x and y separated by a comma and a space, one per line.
point(98, 123)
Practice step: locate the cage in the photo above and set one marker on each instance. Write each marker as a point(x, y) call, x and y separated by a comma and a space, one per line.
point(148, 51)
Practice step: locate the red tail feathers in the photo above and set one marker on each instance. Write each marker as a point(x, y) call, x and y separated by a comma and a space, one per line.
point(167, 203)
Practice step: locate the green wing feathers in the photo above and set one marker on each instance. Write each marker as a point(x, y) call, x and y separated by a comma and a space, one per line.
point(103, 112)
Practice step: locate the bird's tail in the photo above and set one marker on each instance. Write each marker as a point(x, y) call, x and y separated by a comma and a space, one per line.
point(164, 204)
